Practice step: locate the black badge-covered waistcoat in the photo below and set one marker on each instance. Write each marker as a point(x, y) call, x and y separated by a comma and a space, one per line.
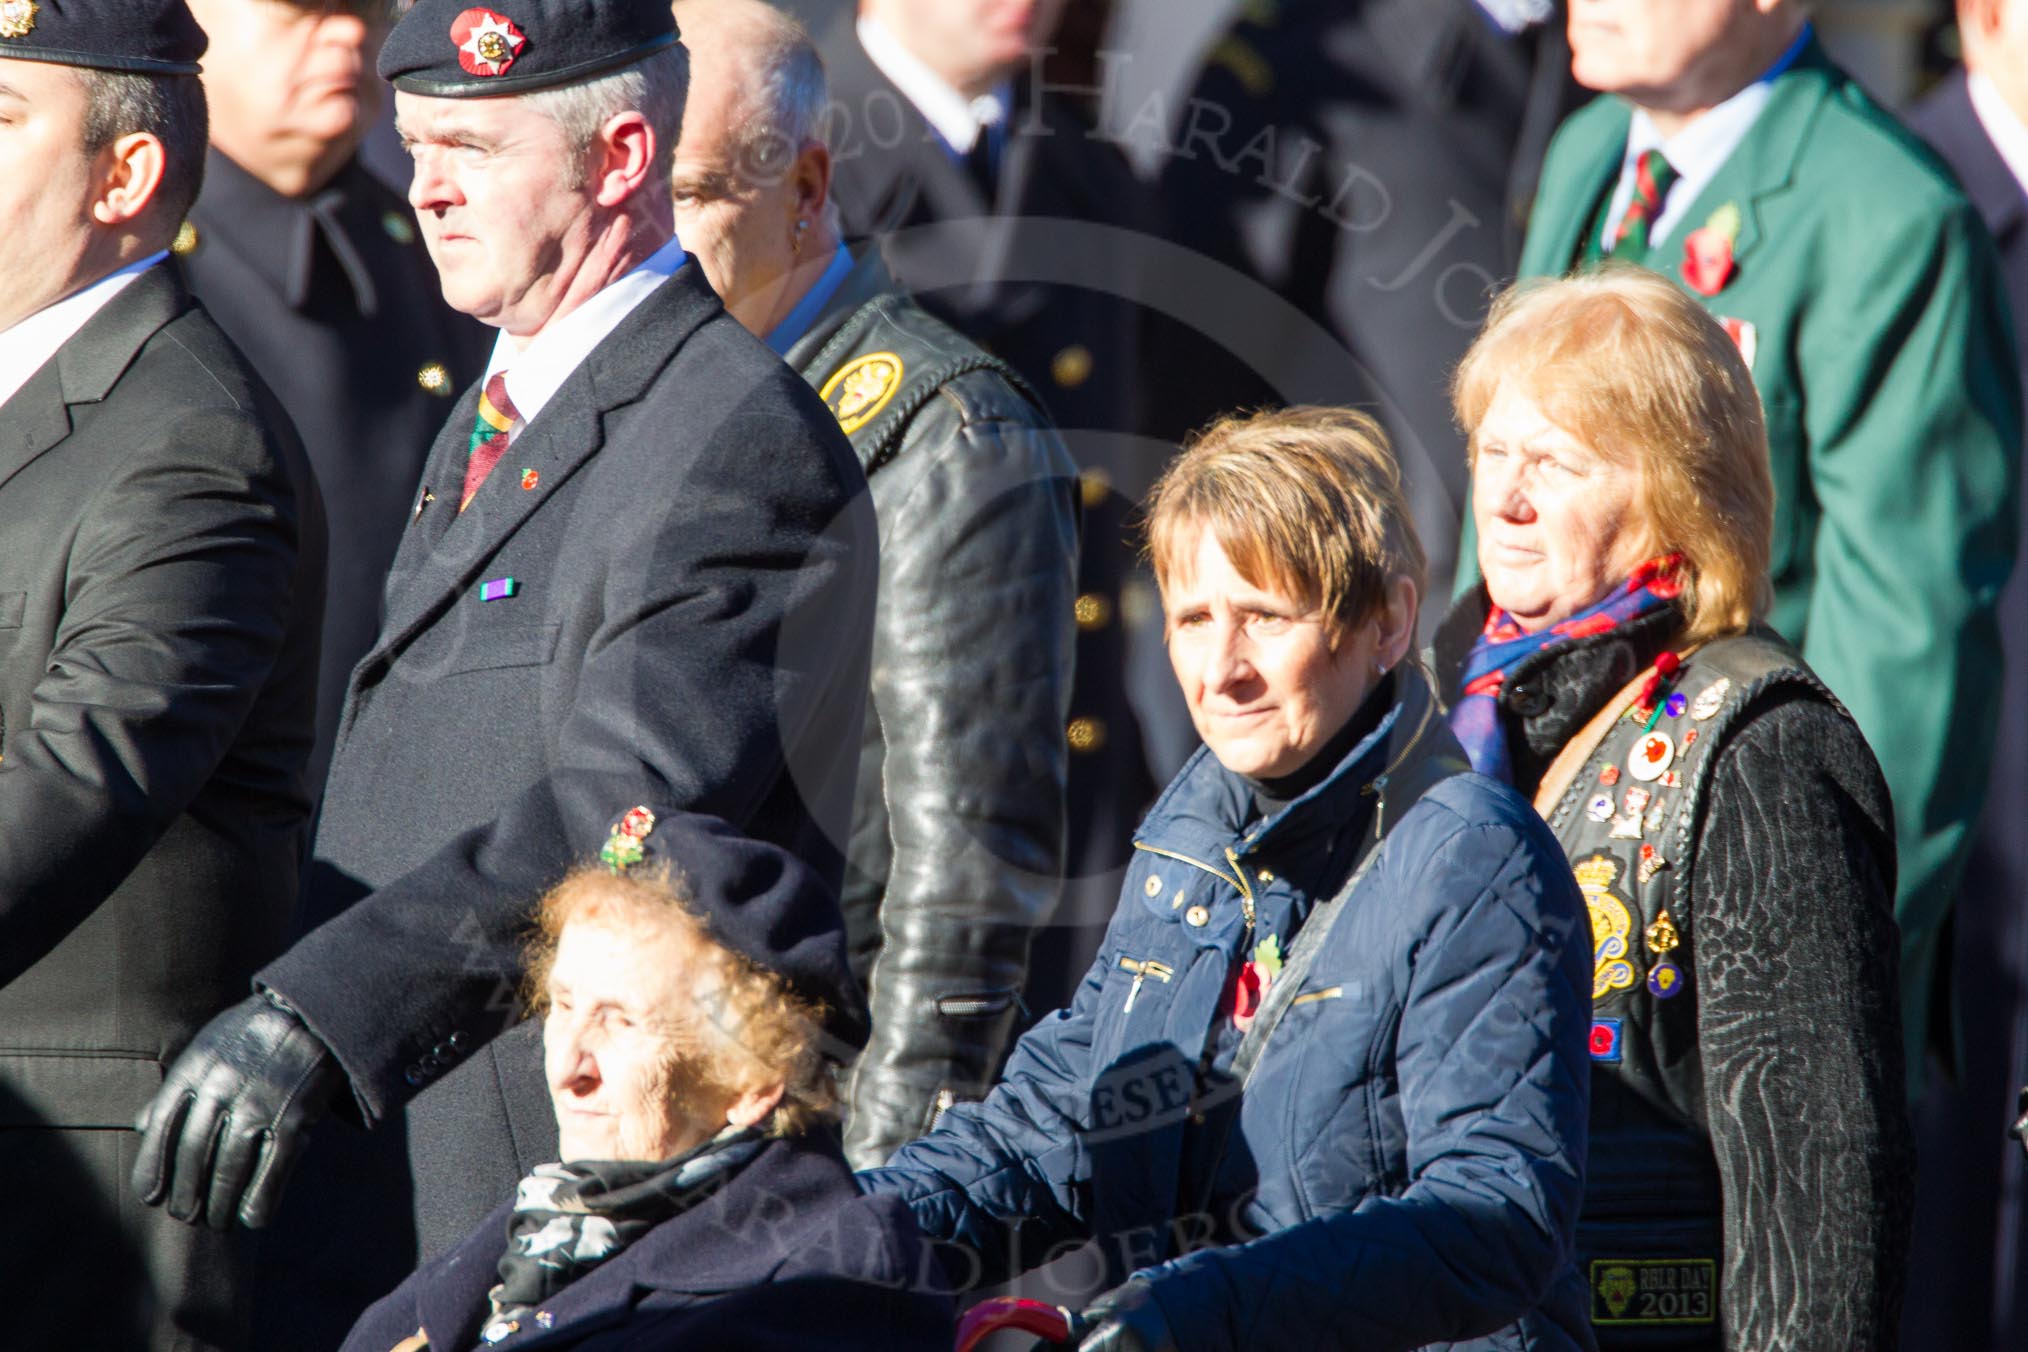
point(1649, 1239)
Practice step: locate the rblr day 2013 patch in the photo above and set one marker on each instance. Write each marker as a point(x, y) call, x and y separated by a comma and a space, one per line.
point(1654, 1290)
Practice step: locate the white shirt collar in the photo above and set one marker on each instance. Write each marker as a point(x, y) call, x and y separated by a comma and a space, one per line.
point(28, 345)
point(957, 119)
point(1698, 151)
point(535, 373)
point(1518, 16)
point(2004, 127)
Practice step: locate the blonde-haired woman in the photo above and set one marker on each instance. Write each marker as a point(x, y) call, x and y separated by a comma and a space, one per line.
point(1325, 1085)
point(684, 984)
point(1750, 1170)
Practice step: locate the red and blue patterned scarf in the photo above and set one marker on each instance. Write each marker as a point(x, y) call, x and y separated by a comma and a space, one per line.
point(1502, 645)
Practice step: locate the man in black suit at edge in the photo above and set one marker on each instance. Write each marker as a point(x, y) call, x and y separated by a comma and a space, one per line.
point(1968, 1193)
point(161, 581)
point(642, 566)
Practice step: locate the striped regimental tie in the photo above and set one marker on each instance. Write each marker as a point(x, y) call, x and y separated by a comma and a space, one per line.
point(1653, 176)
point(490, 433)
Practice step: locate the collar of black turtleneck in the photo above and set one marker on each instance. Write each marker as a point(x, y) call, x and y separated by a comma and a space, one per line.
point(1272, 795)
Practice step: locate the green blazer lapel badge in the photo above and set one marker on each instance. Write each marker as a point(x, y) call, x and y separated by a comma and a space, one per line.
point(1707, 252)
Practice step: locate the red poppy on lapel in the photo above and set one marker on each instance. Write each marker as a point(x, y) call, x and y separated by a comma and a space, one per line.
point(1707, 261)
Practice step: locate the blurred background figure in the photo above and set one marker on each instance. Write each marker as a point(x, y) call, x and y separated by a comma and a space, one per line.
point(1372, 164)
point(957, 840)
point(1969, 1284)
point(314, 268)
point(1004, 216)
point(1736, 157)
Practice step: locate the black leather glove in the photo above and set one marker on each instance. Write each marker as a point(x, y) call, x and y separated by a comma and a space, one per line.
point(1126, 1319)
point(225, 1128)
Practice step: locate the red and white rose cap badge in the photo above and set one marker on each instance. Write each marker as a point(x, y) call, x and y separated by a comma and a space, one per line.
point(488, 43)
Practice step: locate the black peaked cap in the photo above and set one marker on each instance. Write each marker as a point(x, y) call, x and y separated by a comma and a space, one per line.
point(147, 37)
point(454, 49)
point(756, 899)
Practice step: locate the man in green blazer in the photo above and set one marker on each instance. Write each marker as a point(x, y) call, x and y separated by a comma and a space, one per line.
point(1866, 297)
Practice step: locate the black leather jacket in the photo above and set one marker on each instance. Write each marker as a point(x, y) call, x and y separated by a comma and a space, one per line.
point(956, 854)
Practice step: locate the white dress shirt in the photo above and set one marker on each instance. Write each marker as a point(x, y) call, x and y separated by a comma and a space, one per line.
point(1696, 153)
point(28, 346)
point(536, 372)
point(2003, 125)
point(957, 119)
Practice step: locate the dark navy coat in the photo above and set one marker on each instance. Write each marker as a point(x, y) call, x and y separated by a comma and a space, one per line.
point(1407, 1162)
point(787, 1257)
point(683, 564)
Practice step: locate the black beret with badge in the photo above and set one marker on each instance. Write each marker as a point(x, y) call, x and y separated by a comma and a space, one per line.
point(145, 37)
point(455, 49)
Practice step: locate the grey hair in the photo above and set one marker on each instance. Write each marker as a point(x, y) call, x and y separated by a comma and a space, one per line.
point(655, 87)
point(170, 108)
point(785, 109)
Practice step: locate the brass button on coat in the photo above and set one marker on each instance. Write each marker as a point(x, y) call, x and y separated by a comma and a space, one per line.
point(1072, 366)
point(1086, 734)
point(434, 377)
point(1093, 610)
point(1197, 916)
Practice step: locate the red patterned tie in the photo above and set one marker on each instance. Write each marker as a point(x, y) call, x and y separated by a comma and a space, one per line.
point(1653, 176)
point(490, 432)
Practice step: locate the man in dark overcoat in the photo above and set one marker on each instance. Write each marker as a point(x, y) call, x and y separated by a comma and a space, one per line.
point(641, 565)
point(1970, 1182)
point(1371, 162)
point(314, 268)
point(161, 576)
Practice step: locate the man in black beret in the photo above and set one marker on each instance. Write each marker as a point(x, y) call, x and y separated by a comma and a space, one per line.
point(640, 568)
point(160, 588)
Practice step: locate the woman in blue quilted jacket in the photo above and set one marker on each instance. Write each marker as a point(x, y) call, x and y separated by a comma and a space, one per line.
point(1325, 1085)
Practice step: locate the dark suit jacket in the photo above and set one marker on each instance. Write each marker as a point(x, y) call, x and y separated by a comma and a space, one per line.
point(693, 562)
point(333, 299)
point(161, 580)
point(787, 1257)
point(1010, 272)
point(1999, 871)
point(1967, 1205)
point(1371, 163)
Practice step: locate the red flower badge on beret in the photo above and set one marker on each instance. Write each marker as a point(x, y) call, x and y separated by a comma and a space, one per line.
point(487, 42)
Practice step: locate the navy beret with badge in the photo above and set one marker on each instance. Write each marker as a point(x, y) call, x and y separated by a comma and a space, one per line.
point(756, 899)
point(146, 37)
point(455, 49)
